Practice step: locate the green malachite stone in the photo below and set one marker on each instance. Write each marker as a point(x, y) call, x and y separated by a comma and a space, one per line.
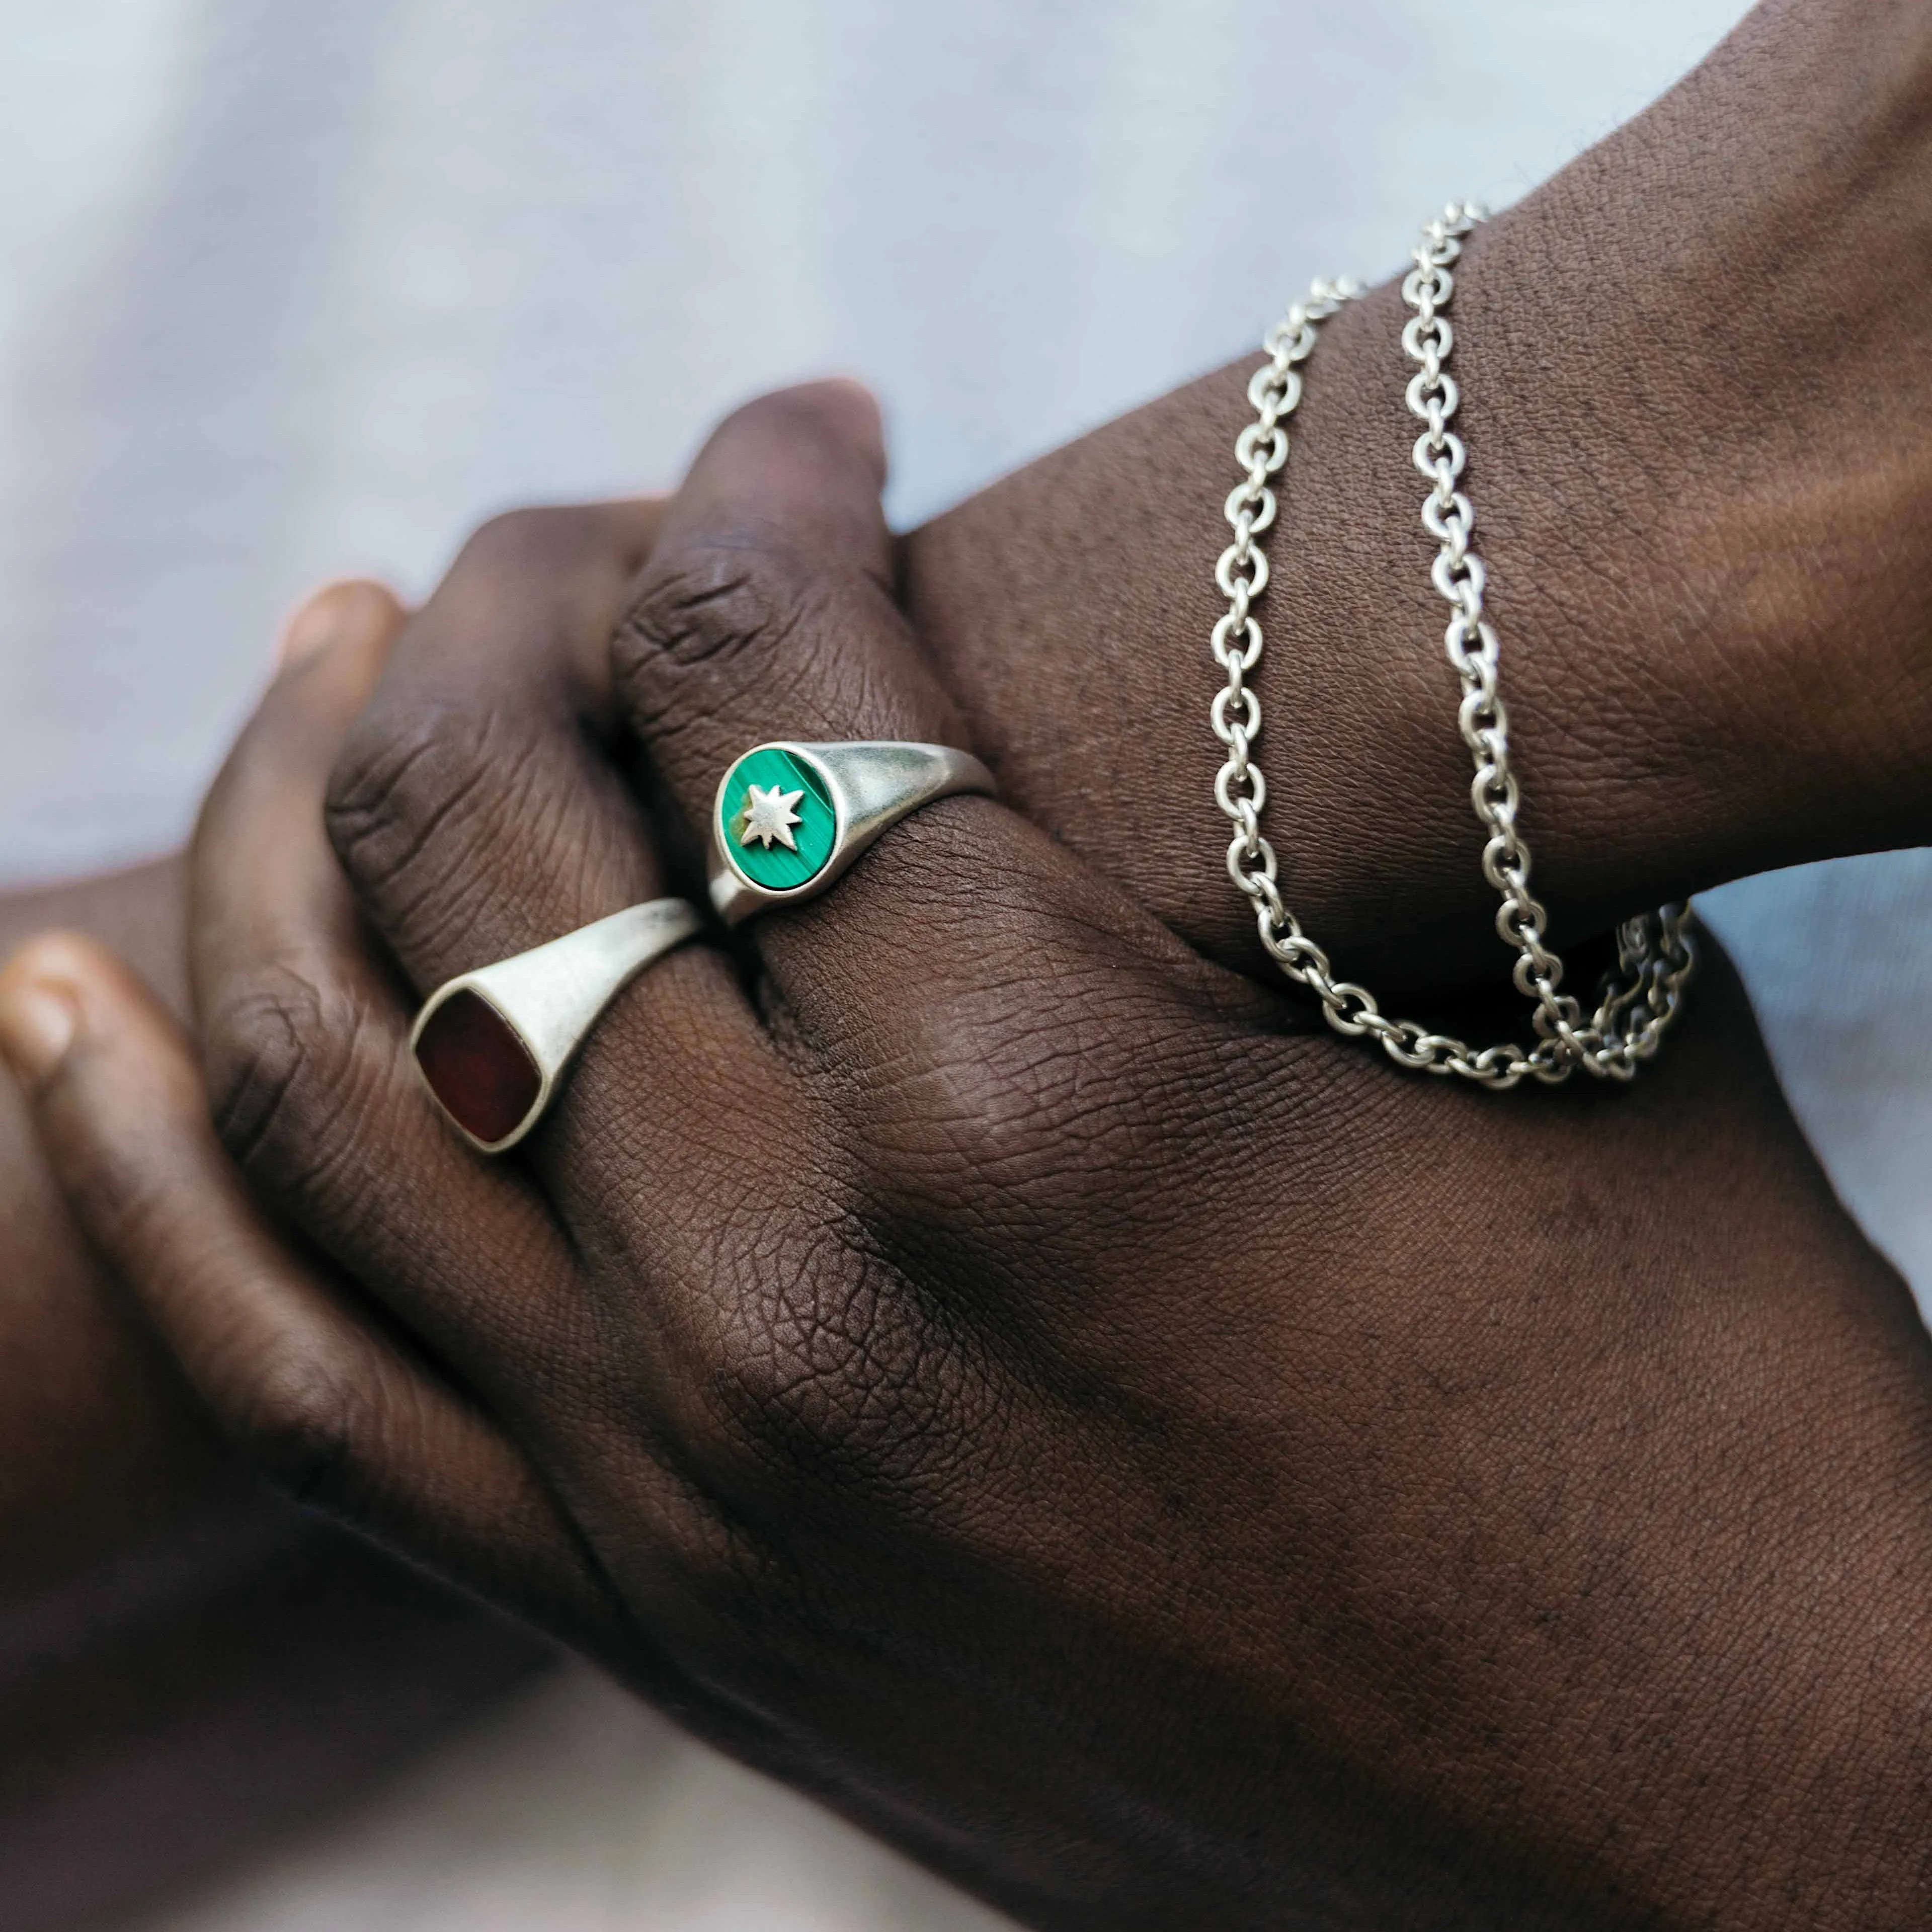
point(774, 867)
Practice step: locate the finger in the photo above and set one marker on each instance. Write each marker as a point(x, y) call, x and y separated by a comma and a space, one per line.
point(331, 652)
point(766, 609)
point(305, 1043)
point(957, 1004)
point(479, 807)
point(765, 612)
point(327, 1400)
point(474, 804)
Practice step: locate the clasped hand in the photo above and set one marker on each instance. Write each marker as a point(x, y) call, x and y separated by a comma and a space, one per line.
point(973, 1344)
point(958, 1348)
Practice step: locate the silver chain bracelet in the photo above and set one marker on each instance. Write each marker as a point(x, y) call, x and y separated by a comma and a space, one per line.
point(1655, 952)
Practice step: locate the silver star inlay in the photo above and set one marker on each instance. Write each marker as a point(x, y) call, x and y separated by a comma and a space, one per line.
point(769, 816)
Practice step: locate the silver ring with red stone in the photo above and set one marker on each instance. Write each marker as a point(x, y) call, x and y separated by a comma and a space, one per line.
point(493, 1045)
point(789, 818)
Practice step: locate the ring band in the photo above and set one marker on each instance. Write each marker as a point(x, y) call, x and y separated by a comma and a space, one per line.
point(789, 818)
point(492, 1045)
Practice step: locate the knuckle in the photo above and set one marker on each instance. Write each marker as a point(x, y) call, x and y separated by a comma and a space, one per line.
point(1033, 1121)
point(825, 1364)
point(737, 591)
point(799, 409)
point(808, 422)
point(304, 1426)
point(436, 756)
point(407, 778)
point(1043, 1053)
point(279, 1052)
point(1013, 1077)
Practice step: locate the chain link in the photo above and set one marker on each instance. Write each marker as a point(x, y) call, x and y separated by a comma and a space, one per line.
point(1656, 953)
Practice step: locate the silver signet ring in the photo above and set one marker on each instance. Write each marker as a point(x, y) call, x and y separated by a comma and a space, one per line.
point(789, 818)
point(493, 1045)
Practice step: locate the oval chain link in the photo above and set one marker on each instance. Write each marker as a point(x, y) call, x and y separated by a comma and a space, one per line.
point(1656, 952)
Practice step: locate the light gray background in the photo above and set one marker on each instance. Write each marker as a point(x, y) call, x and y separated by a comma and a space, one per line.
point(291, 291)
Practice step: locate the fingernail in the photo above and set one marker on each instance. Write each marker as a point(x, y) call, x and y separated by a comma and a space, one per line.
point(38, 1020)
point(863, 392)
point(325, 615)
point(306, 629)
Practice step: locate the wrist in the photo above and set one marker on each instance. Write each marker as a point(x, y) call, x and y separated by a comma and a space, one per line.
point(1692, 418)
point(1705, 477)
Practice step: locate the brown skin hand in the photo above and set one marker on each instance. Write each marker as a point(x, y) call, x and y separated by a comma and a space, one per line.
point(1715, 665)
point(1694, 385)
point(1006, 1376)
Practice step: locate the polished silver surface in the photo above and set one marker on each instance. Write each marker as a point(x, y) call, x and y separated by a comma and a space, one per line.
point(551, 996)
point(1656, 953)
point(872, 784)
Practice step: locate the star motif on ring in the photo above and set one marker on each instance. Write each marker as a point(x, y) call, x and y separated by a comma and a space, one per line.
point(769, 817)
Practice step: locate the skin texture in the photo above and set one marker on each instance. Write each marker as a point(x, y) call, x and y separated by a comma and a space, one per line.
point(1754, 570)
point(1693, 406)
point(866, 1364)
point(107, 1442)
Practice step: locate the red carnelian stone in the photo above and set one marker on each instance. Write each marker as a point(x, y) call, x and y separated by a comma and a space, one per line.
point(477, 1067)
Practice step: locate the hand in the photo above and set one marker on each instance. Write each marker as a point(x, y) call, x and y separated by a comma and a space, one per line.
point(1695, 376)
point(1707, 575)
point(972, 1358)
